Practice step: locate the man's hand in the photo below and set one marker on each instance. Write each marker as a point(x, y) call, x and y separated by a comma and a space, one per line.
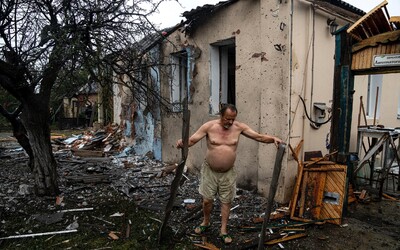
point(179, 143)
point(277, 141)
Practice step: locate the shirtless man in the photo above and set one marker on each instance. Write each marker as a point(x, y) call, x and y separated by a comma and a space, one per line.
point(217, 174)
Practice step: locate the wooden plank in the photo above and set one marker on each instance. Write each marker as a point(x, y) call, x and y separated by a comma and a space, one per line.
point(361, 57)
point(319, 163)
point(356, 24)
point(311, 189)
point(380, 50)
point(321, 159)
point(335, 183)
point(384, 38)
point(365, 59)
point(368, 59)
point(298, 147)
point(355, 60)
point(301, 219)
point(272, 191)
point(322, 169)
point(303, 194)
point(394, 19)
point(291, 237)
point(294, 154)
point(293, 203)
point(382, 22)
point(331, 216)
point(370, 52)
point(87, 153)
point(372, 24)
point(318, 195)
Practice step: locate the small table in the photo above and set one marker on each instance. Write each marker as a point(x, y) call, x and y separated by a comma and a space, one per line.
point(383, 141)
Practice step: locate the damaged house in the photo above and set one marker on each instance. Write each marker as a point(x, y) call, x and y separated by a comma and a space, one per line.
point(274, 60)
point(78, 109)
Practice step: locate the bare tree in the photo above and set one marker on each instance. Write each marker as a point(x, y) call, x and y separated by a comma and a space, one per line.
point(41, 38)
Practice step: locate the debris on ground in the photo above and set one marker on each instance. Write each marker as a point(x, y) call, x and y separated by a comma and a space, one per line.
point(117, 198)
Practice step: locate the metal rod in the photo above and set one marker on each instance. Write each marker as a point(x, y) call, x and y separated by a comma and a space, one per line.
point(38, 234)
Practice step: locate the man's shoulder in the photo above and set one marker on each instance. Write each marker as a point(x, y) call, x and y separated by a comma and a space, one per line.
point(240, 125)
point(211, 123)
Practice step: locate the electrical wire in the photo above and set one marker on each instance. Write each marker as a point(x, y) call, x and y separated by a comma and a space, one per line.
point(317, 124)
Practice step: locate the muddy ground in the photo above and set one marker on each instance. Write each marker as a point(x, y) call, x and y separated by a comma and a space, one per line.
point(118, 202)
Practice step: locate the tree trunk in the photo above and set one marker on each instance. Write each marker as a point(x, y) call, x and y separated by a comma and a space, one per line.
point(19, 131)
point(35, 118)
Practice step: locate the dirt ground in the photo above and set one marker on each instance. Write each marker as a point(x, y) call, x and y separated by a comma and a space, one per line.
point(119, 202)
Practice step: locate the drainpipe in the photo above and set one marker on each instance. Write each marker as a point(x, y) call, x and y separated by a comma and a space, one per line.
point(290, 67)
point(190, 63)
point(312, 58)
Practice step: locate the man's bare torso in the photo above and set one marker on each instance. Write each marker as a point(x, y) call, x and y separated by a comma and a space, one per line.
point(221, 145)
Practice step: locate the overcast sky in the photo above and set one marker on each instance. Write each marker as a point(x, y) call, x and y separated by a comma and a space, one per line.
point(171, 11)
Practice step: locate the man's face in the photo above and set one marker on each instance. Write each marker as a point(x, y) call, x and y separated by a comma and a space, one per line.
point(228, 118)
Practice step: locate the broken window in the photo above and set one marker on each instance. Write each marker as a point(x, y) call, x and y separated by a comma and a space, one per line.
point(178, 80)
point(374, 94)
point(223, 63)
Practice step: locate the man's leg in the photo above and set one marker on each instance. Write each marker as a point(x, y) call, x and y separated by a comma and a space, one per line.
point(225, 210)
point(207, 208)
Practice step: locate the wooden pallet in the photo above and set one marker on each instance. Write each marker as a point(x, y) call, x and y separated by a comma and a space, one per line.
point(319, 192)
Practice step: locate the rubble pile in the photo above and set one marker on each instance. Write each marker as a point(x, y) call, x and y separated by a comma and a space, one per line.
point(101, 192)
point(99, 142)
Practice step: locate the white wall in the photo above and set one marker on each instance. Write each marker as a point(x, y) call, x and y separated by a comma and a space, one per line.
point(389, 102)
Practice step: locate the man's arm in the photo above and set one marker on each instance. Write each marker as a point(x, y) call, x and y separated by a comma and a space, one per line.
point(264, 138)
point(197, 136)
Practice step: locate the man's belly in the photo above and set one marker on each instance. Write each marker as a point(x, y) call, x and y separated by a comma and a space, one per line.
point(221, 160)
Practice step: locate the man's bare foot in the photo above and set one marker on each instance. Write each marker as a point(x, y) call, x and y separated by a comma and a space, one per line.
point(226, 238)
point(201, 229)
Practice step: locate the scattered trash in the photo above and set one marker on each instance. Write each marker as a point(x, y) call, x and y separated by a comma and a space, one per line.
point(86, 163)
point(113, 235)
point(25, 189)
point(117, 214)
point(73, 225)
point(189, 201)
point(38, 234)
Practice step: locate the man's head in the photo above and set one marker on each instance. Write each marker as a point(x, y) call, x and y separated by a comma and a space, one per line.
point(228, 113)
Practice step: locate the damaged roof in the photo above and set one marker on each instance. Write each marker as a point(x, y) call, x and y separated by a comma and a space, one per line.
point(338, 8)
point(195, 16)
point(375, 22)
point(344, 5)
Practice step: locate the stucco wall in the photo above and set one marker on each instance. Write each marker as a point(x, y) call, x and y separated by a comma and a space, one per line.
point(262, 85)
point(275, 91)
point(389, 101)
point(282, 52)
point(313, 68)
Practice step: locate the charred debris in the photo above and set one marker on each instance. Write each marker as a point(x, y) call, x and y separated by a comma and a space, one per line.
point(98, 163)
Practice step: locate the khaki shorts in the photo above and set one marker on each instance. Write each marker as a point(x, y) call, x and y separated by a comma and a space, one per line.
point(213, 183)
